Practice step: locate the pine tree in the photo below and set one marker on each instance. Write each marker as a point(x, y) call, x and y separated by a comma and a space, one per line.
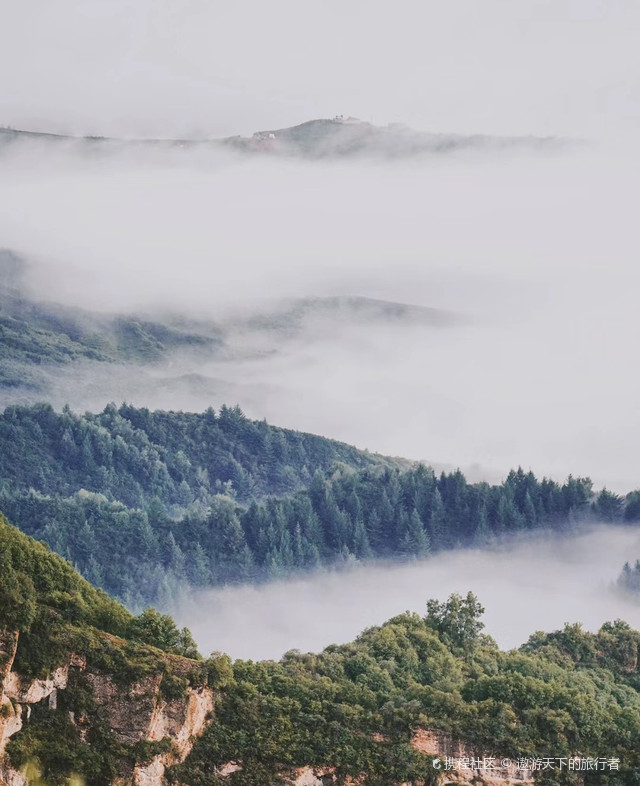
point(373, 525)
point(482, 535)
point(529, 512)
point(361, 545)
point(173, 557)
point(437, 521)
point(416, 541)
point(199, 569)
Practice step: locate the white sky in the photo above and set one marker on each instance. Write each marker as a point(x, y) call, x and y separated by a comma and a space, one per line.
point(200, 67)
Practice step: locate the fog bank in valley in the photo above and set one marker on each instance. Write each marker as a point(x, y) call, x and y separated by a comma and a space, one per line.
point(537, 252)
point(535, 256)
point(534, 584)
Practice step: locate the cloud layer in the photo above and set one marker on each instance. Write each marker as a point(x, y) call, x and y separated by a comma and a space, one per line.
point(535, 584)
point(537, 253)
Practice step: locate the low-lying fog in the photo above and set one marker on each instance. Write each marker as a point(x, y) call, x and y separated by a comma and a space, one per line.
point(532, 584)
point(538, 254)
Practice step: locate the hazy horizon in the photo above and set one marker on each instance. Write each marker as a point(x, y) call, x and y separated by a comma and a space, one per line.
point(200, 69)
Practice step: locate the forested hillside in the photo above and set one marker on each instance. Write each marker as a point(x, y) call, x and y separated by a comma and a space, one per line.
point(79, 675)
point(359, 708)
point(355, 709)
point(35, 334)
point(135, 456)
point(142, 502)
point(120, 493)
point(38, 338)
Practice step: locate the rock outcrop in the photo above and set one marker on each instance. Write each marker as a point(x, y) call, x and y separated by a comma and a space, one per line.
point(444, 746)
point(435, 744)
point(10, 714)
point(134, 713)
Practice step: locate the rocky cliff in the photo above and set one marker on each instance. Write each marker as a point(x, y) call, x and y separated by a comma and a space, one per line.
point(162, 728)
point(152, 721)
point(438, 746)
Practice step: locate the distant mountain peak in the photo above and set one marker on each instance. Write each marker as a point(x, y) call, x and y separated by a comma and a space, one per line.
point(338, 137)
point(342, 136)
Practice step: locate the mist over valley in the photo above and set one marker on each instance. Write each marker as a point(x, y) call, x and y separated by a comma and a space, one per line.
point(526, 584)
point(319, 413)
point(278, 267)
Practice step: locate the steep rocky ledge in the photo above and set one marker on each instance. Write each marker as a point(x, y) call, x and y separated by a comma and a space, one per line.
point(139, 715)
point(431, 743)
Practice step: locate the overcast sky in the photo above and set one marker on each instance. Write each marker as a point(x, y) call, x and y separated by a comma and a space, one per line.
point(215, 67)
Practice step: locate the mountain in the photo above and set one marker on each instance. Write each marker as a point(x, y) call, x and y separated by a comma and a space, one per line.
point(389, 707)
point(35, 335)
point(127, 482)
point(349, 137)
point(70, 355)
point(289, 318)
point(337, 137)
point(145, 503)
point(90, 694)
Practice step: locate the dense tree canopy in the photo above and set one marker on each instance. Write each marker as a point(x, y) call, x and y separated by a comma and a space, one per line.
point(143, 502)
point(356, 707)
point(47, 601)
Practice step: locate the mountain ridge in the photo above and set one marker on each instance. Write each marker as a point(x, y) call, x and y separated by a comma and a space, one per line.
point(317, 138)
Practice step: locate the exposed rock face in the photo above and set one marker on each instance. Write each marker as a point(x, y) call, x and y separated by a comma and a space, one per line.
point(37, 690)
point(437, 743)
point(181, 720)
point(431, 743)
point(135, 713)
point(10, 716)
point(10, 721)
point(128, 712)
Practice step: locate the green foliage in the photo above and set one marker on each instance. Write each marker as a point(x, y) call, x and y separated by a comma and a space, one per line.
point(137, 457)
point(353, 707)
point(37, 584)
point(35, 334)
point(53, 740)
point(58, 612)
point(17, 596)
point(457, 621)
point(608, 506)
point(219, 671)
point(144, 502)
point(160, 630)
point(76, 738)
point(356, 707)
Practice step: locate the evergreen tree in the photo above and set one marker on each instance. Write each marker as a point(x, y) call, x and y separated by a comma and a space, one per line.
point(361, 546)
point(416, 541)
